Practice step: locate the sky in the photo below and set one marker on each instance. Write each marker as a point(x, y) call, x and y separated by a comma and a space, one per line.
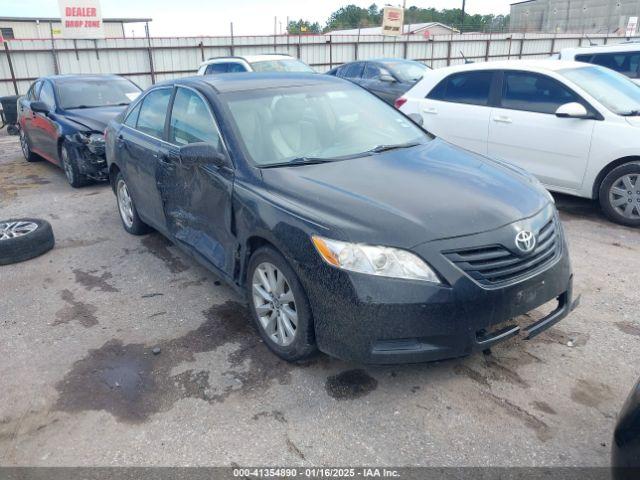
point(212, 17)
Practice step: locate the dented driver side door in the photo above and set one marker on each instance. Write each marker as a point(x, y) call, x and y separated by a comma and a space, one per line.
point(196, 198)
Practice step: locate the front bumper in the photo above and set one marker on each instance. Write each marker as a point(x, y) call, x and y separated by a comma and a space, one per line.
point(377, 320)
point(90, 164)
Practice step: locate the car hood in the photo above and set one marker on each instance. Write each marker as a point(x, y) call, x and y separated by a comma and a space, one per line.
point(409, 196)
point(95, 119)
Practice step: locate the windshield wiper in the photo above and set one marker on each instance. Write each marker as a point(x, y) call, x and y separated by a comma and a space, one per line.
point(296, 162)
point(385, 148)
point(632, 113)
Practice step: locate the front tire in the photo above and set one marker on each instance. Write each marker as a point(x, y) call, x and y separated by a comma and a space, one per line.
point(279, 306)
point(128, 213)
point(620, 194)
point(69, 164)
point(29, 156)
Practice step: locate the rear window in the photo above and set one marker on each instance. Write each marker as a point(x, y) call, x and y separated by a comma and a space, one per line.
point(287, 65)
point(471, 88)
point(627, 63)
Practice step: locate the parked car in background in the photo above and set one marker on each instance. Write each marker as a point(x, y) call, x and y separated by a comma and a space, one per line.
point(62, 119)
point(349, 227)
point(625, 454)
point(574, 126)
point(268, 62)
point(623, 58)
point(387, 78)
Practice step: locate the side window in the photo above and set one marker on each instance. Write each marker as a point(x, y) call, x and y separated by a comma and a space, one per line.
point(353, 70)
point(132, 116)
point(534, 92)
point(468, 87)
point(236, 68)
point(217, 68)
point(437, 93)
point(46, 95)
point(153, 112)
point(191, 120)
point(32, 96)
point(371, 71)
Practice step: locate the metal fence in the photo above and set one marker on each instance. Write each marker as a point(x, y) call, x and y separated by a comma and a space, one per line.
point(149, 60)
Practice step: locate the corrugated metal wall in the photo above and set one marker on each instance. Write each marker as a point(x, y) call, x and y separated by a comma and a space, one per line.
point(147, 60)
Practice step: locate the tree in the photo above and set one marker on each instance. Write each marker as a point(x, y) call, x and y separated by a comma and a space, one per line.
point(352, 16)
point(302, 26)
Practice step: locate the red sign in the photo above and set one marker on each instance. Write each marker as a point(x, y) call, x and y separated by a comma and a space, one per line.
point(81, 19)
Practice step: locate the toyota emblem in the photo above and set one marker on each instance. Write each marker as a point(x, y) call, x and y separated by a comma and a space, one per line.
point(525, 241)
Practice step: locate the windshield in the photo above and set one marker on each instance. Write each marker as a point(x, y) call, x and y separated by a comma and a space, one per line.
point(286, 65)
point(103, 92)
point(320, 122)
point(613, 90)
point(407, 71)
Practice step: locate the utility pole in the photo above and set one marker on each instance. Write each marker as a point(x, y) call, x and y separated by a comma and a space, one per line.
point(464, 2)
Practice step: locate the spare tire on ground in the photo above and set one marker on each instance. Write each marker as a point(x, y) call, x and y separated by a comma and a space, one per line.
point(24, 238)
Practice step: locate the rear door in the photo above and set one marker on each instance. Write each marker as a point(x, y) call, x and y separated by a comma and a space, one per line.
point(458, 109)
point(196, 198)
point(44, 128)
point(138, 143)
point(25, 112)
point(525, 131)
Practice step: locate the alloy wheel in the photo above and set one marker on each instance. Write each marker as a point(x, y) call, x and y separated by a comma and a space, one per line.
point(66, 164)
point(624, 196)
point(24, 144)
point(125, 204)
point(275, 304)
point(9, 230)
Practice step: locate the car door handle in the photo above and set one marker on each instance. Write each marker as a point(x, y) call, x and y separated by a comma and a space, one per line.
point(430, 110)
point(502, 119)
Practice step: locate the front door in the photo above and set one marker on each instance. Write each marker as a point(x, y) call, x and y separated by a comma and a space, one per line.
point(525, 131)
point(196, 198)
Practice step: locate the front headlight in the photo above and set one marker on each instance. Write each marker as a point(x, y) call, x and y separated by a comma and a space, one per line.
point(93, 141)
point(372, 260)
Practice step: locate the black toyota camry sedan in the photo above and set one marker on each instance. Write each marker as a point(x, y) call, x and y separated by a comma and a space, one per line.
point(350, 229)
point(62, 119)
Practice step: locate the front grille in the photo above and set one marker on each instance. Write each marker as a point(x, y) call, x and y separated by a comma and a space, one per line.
point(495, 264)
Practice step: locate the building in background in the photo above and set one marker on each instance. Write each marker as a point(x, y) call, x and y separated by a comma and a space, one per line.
point(27, 27)
point(573, 16)
point(425, 29)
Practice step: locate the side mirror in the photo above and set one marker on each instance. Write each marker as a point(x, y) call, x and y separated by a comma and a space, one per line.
point(40, 107)
point(572, 110)
point(202, 153)
point(385, 77)
point(417, 118)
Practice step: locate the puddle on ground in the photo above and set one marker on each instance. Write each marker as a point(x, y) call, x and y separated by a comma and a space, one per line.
point(158, 246)
point(75, 310)
point(131, 383)
point(350, 384)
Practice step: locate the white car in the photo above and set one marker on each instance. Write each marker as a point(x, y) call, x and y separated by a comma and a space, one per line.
point(575, 126)
point(624, 58)
point(253, 63)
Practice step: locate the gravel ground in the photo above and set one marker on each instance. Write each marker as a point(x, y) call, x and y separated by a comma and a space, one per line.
point(80, 385)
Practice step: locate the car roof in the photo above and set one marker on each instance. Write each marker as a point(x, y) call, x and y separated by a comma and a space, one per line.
point(71, 77)
point(250, 58)
point(238, 82)
point(535, 65)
